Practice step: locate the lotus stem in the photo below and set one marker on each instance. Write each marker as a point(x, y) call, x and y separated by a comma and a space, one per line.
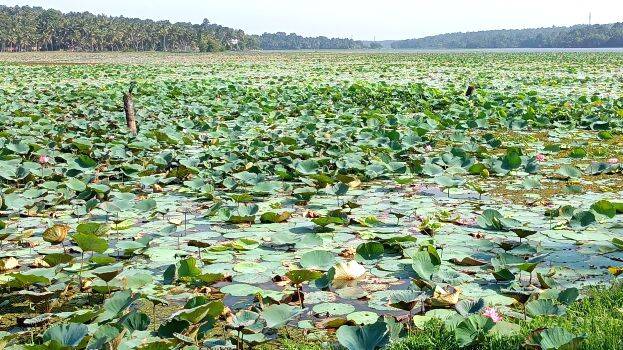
point(298, 293)
point(153, 310)
point(80, 272)
point(524, 312)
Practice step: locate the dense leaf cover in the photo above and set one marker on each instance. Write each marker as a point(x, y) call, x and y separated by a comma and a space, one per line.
point(345, 194)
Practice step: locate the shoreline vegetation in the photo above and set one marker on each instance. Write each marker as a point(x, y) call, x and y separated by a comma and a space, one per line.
point(25, 28)
point(598, 317)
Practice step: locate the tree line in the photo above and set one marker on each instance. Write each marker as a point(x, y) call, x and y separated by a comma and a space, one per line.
point(578, 36)
point(25, 28)
point(283, 41)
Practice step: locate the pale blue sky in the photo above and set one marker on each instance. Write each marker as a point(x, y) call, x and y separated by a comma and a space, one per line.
point(359, 19)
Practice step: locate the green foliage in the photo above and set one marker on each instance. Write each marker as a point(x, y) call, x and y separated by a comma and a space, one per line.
point(598, 316)
point(277, 316)
point(234, 183)
point(90, 242)
point(592, 323)
point(598, 35)
point(283, 41)
point(69, 335)
point(435, 336)
point(368, 337)
point(51, 30)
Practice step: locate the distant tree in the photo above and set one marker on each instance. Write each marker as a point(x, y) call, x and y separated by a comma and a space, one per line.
point(208, 43)
point(601, 35)
point(36, 29)
point(283, 41)
point(24, 28)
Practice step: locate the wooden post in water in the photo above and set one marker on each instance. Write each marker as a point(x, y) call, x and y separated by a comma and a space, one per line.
point(470, 90)
point(130, 113)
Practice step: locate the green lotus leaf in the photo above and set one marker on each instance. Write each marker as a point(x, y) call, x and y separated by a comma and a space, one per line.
point(472, 329)
point(116, 305)
point(93, 228)
point(582, 219)
point(544, 307)
point(277, 316)
point(503, 275)
point(90, 242)
point(240, 290)
point(69, 335)
point(85, 162)
point(604, 207)
point(102, 336)
point(57, 259)
point(197, 314)
point(301, 276)
point(136, 321)
point(188, 268)
point(368, 337)
point(317, 260)
point(22, 280)
point(370, 251)
point(363, 317)
point(146, 205)
point(569, 171)
point(108, 272)
point(468, 307)
point(307, 167)
point(555, 339)
point(425, 265)
point(271, 217)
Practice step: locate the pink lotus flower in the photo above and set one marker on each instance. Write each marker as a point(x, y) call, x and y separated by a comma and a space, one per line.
point(43, 159)
point(613, 161)
point(540, 157)
point(491, 313)
point(414, 230)
point(467, 221)
point(428, 148)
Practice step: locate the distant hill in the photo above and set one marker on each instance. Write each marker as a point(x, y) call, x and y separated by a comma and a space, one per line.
point(578, 36)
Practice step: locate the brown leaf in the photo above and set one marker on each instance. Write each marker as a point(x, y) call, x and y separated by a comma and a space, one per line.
point(311, 214)
point(348, 253)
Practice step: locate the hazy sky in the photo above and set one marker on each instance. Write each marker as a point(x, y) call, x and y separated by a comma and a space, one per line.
point(359, 19)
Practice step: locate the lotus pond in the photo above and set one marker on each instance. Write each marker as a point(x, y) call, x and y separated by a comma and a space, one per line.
point(343, 196)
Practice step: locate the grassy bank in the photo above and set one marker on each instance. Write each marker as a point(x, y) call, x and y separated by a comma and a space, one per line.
point(599, 316)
